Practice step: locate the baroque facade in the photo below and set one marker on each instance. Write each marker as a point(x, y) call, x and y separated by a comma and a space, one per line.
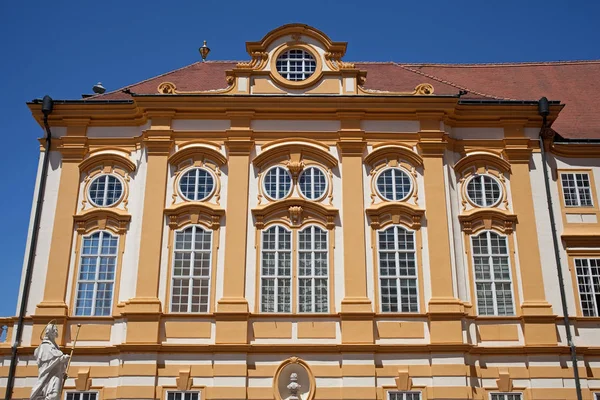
point(298, 226)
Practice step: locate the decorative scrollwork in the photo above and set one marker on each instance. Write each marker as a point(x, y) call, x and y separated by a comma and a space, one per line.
point(167, 88)
point(295, 167)
point(257, 61)
point(295, 214)
point(424, 89)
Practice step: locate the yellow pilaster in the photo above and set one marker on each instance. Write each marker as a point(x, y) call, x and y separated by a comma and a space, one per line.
point(143, 311)
point(232, 309)
point(444, 308)
point(72, 147)
point(357, 310)
point(536, 311)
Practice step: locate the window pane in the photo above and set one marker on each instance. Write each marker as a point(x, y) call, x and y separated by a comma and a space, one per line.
point(276, 270)
point(398, 270)
point(484, 191)
point(588, 283)
point(313, 270)
point(196, 184)
point(105, 190)
point(394, 184)
point(192, 260)
point(296, 65)
point(491, 267)
point(97, 268)
point(576, 190)
point(277, 183)
point(312, 183)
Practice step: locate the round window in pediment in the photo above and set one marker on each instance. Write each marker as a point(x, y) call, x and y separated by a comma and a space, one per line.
point(296, 65)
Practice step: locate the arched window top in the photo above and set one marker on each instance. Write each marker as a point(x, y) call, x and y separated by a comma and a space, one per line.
point(198, 150)
point(393, 152)
point(107, 157)
point(482, 159)
point(295, 150)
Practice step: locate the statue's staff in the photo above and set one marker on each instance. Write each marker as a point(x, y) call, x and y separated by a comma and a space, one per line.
point(70, 357)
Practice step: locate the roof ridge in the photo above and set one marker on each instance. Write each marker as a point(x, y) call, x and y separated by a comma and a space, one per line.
point(506, 64)
point(449, 83)
point(143, 81)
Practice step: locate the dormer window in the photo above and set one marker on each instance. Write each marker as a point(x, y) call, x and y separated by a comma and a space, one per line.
point(296, 65)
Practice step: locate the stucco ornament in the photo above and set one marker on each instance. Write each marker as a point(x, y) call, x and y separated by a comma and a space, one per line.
point(52, 364)
point(293, 387)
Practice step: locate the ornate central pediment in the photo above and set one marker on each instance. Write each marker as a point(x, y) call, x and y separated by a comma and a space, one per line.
point(296, 59)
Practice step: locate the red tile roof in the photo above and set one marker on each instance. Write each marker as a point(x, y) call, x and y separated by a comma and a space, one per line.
point(574, 83)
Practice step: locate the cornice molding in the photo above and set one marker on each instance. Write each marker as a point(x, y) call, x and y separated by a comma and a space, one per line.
point(182, 214)
point(296, 211)
point(387, 213)
point(102, 218)
point(478, 219)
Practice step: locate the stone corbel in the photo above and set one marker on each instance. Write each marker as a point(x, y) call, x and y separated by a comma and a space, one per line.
point(184, 381)
point(403, 380)
point(83, 380)
point(504, 381)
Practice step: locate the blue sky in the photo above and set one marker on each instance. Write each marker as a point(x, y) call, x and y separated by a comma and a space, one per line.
point(62, 48)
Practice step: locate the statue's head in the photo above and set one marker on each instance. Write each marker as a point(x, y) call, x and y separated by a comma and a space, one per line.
point(294, 377)
point(51, 331)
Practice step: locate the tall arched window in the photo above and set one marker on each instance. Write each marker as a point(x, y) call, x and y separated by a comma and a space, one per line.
point(397, 270)
point(313, 270)
point(190, 282)
point(276, 270)
point(97, 269)
point(493, 282)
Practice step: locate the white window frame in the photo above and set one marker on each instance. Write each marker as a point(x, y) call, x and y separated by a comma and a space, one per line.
point(504, 395)
point(313, 277)
point(482, 178)
point(397, 277)
point(577, 189)
point(276, 277)
point(277, 182)
point(312, 195)
point(403, 394)
point(106, 177)
point(593, 294)
point(81, 393)
point(96, 281)
point(191, 277)
point(492, 279)
point(196, 183)
point(183, 393)
point(307, 60)
point(394, 193)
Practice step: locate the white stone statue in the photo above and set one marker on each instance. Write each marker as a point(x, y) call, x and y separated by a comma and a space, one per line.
point(52, 364)
point(293, 387)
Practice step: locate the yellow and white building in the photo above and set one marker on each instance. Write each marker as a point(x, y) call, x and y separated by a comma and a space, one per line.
point(381, 230)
